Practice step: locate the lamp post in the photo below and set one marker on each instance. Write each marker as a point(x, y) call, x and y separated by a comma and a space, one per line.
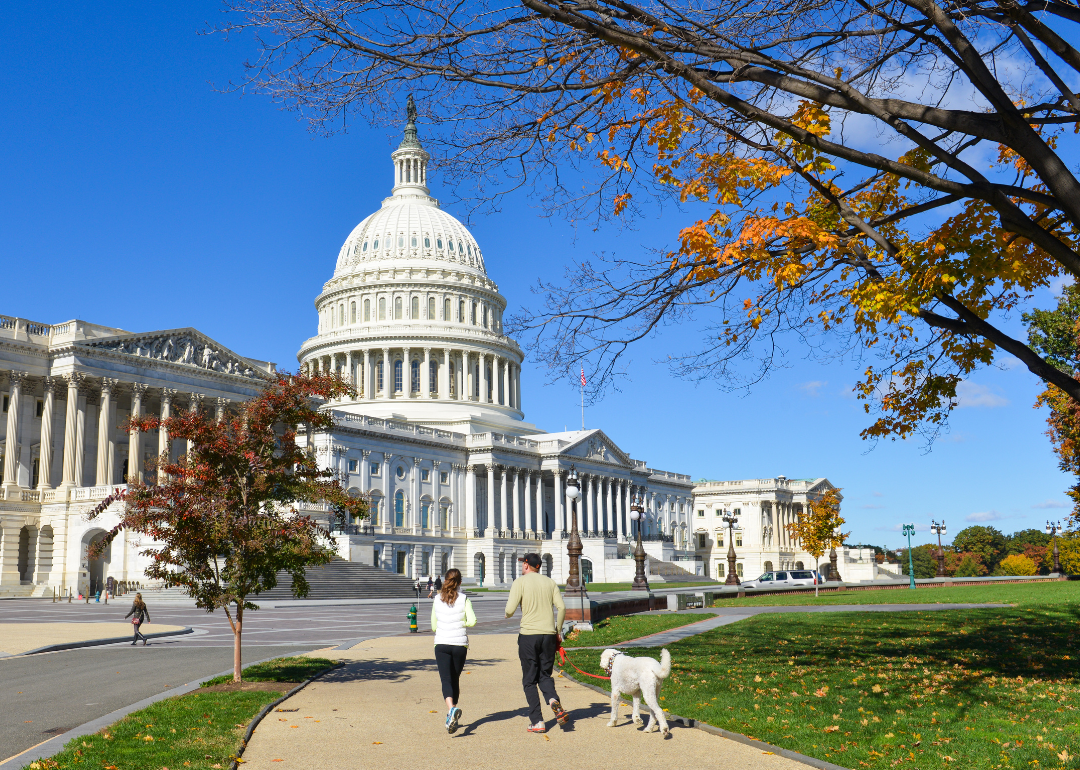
point(939, 530)
point(574, 588)
point(909, 530)
point(1052, 529)
point(732, 576)
point(637, 513)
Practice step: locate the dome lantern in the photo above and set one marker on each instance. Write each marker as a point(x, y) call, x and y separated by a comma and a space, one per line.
point(410, 158)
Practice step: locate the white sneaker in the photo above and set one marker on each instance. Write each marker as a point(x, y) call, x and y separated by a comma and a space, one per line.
point(452, 718)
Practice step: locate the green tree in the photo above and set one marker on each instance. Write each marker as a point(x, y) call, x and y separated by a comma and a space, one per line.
point(987, 542)
point(1018, 542)
point(969, 567)
point(925, 564)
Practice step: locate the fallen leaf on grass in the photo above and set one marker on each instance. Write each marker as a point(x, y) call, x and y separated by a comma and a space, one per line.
point(832, 728)
point(1064, 756)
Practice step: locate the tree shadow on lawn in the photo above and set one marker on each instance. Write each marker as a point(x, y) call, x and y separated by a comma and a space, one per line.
point(971, 646)
point(389, 670)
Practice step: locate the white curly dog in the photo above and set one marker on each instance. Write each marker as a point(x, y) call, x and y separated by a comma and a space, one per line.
point(641, 678)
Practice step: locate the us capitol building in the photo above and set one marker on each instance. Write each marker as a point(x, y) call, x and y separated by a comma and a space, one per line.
point(435, 436)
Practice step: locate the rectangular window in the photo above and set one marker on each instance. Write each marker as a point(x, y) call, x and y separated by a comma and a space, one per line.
point(373, 469)
point(425, 512)
point(720, 539)
point(397, 376)
point(701, 541)
point(425, 474)
point(379, 376)
point(5, 404)
point(701, 513)
point(373, 513)
point(34, 473)
point(738, 568)
point(738, 539)
point(445, 516)
point(721, 569)
point(444, 477)
point(38, 410)
point(737, 512)
point(353, 464)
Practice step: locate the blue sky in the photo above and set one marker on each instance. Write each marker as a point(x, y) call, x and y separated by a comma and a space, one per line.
point(136, 194)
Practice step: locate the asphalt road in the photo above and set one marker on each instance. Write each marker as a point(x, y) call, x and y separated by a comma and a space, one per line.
point(45, 695)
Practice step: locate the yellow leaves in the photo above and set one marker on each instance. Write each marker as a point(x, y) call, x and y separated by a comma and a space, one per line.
point(832, 728)
point(621, 202)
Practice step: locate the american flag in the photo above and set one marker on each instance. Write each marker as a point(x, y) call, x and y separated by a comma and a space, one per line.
point(583, 377)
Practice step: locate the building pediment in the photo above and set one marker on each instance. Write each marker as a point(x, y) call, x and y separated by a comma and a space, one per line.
point(599, 448)
point(186, 347)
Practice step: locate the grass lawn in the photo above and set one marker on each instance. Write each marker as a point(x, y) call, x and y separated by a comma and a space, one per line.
point(990, 688)
point(1006, 593)
point(201, 730)
point(278, 670)
point(623, 628)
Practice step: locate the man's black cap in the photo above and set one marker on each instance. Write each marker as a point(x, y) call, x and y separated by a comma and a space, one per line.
point(532, 559)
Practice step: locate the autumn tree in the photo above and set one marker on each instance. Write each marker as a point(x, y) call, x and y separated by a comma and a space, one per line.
point(988, 543)
point(1056, 335)
point(817, 528)
point(883, 179)
point(221, 520)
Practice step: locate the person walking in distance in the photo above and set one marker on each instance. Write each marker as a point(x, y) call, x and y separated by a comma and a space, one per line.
point(139, 615)
point(451, 614)
point(430, 587)
point(538, 638)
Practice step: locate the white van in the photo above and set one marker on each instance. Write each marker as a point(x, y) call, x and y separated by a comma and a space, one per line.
point(783, 578)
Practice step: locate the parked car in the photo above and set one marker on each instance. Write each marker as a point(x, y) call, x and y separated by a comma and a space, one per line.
point(783, 579)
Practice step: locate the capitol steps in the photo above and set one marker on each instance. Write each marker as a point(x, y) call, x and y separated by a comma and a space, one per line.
point(670, 571)
point(345, 580)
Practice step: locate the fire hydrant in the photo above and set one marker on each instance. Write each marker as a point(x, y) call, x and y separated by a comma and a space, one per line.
point(412, 619)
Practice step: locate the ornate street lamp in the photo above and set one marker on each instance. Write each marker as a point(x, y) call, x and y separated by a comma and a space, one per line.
point(732, 577)
point(909, 530)
point(637, 513)
point(1052, 529)
point(939, 530)
point(573, 548)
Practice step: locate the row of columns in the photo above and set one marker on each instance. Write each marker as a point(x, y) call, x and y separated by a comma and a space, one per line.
point(79, 390)
point(461, 375)
point(783, 515)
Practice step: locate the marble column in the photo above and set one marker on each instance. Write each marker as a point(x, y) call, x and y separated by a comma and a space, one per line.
point(538, 511)
point(104, 432)
point(590, 503)
point(366, 384)
point(11, 440)
point(609, 504)
point(490, 520)
point(436, 504)
point(485, 384)
point(530, 520)
point(164, 440)
point(388, 375)
point(45, 453)
point(221, 405)
point(505, 522)
point(80, 435)
point(616, 504)
point(519, 521)
point(406, 373)
point(135, 469)
point(365, 471)
point(425, 375)
point(417, 521)
point(506, 383)
point(471, 519)
point(350, 374)
point(194, 403)
point(444, 376)
point(71, 417)
point(560, 502)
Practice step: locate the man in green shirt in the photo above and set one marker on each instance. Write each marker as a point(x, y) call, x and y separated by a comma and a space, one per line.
point(538, 638)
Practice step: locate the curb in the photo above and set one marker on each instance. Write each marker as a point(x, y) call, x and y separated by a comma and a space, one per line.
point(97, 642)
point(820, 764)
point(266, 710)
point(55, 744)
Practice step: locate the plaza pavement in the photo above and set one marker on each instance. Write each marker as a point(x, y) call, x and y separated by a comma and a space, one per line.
point(384, 709)
point(17, 638)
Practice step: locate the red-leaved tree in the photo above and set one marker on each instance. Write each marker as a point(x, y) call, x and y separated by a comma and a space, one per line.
point(221, 520)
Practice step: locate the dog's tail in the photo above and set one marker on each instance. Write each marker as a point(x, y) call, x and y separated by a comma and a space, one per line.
point(665, 663)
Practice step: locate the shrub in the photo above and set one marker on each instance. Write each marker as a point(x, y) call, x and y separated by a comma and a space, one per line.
point(1017, 564)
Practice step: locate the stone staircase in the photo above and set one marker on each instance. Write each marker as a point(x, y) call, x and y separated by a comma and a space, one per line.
point(670, 572)
point(345, 580)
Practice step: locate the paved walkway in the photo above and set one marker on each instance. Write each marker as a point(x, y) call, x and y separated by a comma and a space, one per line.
point(17, 638)
point(384, 709)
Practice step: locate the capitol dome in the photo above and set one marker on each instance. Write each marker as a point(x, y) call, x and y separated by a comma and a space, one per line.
point(411, 317)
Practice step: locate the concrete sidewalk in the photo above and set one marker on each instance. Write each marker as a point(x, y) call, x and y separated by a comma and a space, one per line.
point(384, 709)
point(17, 638)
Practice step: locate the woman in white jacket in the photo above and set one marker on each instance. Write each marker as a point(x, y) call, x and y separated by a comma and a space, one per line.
point(451, 614)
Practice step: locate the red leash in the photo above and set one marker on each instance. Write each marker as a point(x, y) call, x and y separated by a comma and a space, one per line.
point(562, 655)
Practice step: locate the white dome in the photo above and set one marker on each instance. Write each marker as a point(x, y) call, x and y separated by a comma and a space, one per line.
point(410, 229)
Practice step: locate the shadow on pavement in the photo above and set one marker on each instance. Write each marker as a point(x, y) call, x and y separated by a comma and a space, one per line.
point(387, 670)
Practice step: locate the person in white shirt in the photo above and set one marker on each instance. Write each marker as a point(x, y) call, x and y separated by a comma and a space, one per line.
point(451, 614)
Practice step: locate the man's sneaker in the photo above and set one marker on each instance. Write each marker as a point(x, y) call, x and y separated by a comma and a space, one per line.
point(452, 718)
point(539, 727)
point(560, 714)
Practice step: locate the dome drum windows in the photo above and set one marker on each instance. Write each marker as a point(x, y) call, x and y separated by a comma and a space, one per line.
point(446, 310)
point(397, 376)
point(438, 243)
point(352, 312)
point(414, 308)
point(367, 310)
point(414, 377)
point(382, 308)
point(427, 242)
point(397, 308)
point(431, 308)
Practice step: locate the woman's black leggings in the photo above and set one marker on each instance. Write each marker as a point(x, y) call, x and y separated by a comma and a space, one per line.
point(137, 633)
point(450, 658)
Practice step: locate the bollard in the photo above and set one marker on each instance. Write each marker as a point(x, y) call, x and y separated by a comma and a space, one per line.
point(412, 619)
point(54, 595)
point(69, 596)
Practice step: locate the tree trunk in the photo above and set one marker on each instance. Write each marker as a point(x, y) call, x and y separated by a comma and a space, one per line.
point(238, 627)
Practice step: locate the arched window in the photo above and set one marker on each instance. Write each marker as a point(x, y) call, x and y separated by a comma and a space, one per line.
point(425, 510)
point(414, 376)
point(397, 376)
point(427, 242)
point(446, 310)
point(476, 380)
point(414, 241)
point(453, 380)
point(433, 377)
point(431, 308)
point(450, 245)
point(485, 318)
point(415, 308)
point(768, 566)
point(490, 385)
point(367, 310)
point(376, 244)
point(461, 312)
point(397, 309)
point(799, 565)
point(399, 509)
point(376, 504)
point(401, 241)
point(379, 375)
point(474, 314)
point(438, 243)
point(341, 314)
point(382, 308)
point(352, 312)
point(365, 245)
